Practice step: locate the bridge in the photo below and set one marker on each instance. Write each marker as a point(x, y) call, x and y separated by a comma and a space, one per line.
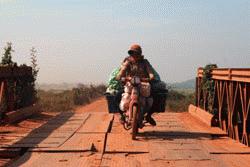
point(90, 136)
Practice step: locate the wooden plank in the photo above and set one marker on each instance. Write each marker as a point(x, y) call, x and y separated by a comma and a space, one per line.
point(162, 129)
point(8, 143)
point(97, 123)
point(173, 146)
point(44, 129)
point(120, 143)
point(69, 122)
point(59, 126)
point(29, 140)
point(4, 161)
point(53, 126)
point(218, 146)
point(47, 129)
point(83, 148)
point(174, 155)
point(201, 114)
point(21, 114)
point(40, 141)
point(117, 127)
point(91, 140)
point(34, 145)
point(189, 163)
point(125, 159)
point(9, 152)
point(90, 159)
point(14, 135)
point(78, 143)
point(8, 138)
point(43, 141)
point(166, 124)
point(36, 159)
point(26, 160)
point(67, 116)
point(49, 135)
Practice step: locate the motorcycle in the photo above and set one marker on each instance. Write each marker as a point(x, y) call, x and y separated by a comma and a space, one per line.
point(134, 115)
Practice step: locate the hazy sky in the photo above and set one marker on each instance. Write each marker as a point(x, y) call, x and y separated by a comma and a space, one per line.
point(83, 40)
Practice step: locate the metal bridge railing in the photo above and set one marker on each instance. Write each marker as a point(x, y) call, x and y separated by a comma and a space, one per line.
point(231, 100)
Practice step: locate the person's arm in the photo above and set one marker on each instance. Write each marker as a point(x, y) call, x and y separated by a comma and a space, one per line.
point(123, 69)
point(149, 70)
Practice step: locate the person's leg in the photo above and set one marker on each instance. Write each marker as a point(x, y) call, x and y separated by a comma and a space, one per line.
point(118, 98)
point(124, 103)
point(149, 119)
point(143, 110)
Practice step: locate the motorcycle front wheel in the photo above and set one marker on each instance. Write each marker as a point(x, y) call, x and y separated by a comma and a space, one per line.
point(134, 122)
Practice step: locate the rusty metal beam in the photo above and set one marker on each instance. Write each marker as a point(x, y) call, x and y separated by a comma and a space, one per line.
point(229, 74)
point(2, 91)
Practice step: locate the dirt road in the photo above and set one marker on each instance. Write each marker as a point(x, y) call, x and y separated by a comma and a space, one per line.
point(92, 137)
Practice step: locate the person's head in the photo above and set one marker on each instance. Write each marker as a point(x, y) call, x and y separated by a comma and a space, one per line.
point(135, 51)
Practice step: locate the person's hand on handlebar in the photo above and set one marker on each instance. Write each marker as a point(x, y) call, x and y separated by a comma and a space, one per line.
point(125, 79)
point(145, 79)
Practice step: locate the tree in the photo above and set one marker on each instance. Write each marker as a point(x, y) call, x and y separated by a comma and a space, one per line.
point(208, 87)
point(34, 64)
point(7, 58)
point(35, 71)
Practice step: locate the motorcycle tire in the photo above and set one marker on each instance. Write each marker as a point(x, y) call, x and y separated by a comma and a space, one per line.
point(134, 122)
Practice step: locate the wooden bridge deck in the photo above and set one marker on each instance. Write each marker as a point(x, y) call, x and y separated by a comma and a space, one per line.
point(98, 139)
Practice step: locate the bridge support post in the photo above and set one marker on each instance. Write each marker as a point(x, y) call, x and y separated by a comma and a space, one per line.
point(245, 103)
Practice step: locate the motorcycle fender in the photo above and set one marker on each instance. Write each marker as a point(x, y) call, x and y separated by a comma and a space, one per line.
point(130, 108)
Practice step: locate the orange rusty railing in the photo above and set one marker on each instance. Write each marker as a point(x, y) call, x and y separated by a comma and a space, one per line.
point(231, 100)
point(229, 74)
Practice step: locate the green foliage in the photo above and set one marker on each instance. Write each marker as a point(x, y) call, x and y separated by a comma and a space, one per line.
point(179, 101)
point(24, 91)
point(34, 64)
point(7, 62)
point(69, 99)
point(84, 94)
point(55, 101)
point(112, 82)
point(208, 85)
point(7, 57)
point(26, 86)
point(35, 71)
point(23, 88)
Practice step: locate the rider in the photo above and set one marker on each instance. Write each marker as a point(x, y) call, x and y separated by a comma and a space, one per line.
point(135, 64)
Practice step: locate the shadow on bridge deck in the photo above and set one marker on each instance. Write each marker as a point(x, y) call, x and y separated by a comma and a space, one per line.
point(49, 135)
point(171, 135)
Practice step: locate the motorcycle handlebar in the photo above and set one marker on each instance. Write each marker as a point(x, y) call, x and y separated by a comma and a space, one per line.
point(125, 79)
point(145, 79)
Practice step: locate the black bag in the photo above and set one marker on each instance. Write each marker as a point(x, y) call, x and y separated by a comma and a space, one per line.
point(113, 102)
point(159, 101)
